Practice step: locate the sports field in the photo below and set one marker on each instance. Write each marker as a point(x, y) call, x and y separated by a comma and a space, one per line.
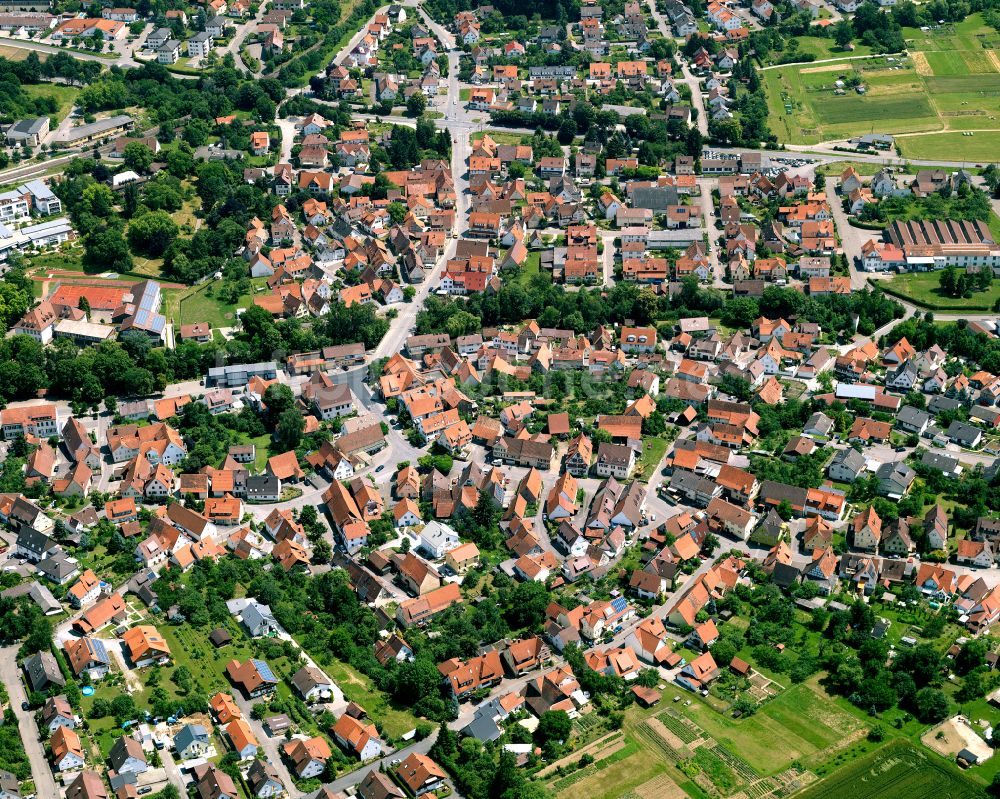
point(948, 81)
point(896, 771)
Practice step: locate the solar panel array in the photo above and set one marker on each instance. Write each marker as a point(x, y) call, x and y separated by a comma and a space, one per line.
point(264, 671)
point(99, 650)
point(146, 316)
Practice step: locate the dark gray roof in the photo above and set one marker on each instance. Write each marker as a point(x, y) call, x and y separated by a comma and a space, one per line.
point(912, 416)
point(483, 727)
point(58, 566)
point(263, 484)
point(780, 491)
point(31, 539)
point(897, 471)
point(43, 670)
point(935, 460)
point(785, 574)
point(849, 458)
point(656, 198)
point(939, 404)
point(28, 127)
point(963, 432)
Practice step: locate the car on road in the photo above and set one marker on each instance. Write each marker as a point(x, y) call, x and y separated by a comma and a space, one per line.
point(25, 706)
point(379, 468)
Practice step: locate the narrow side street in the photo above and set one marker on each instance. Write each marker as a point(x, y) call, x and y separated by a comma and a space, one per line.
point(10, 675)
point(271, 746)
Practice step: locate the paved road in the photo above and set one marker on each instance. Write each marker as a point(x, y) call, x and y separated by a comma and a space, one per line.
point(824, 152)
point(171, 769)
point(357, 776)
point(236, 43)
point(45, 784)
point(446, 37)
point(852, 239)
point(608, 257)
point(357, 37)
point(271, 746)
point(823, 61)
point(34, 170)
point(401, 326)
point(123, 61)
point(692, 82)
point(288, 132)
point(697, 100)
point(709, 219)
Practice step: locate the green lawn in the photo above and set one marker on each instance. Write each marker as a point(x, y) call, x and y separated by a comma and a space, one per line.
point(924, 288)
point(805, 108)
point(199, 306)
point(530, 268)
point(980, 147)
point(190, 647)
point(103, 731)
point(263, 450)
point(653, 450)
point(823, 47)
point(65, 96)
point(69, 261)
point(836, 168)
point(358, 688)
point(499, 136)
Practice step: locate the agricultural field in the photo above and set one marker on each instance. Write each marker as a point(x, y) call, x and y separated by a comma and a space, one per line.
point(896, 771)
point(803, 723)
point(689, 748)
point(798, 738)
point(948, 81)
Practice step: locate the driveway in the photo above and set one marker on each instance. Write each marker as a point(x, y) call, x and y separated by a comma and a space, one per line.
point(608, 257)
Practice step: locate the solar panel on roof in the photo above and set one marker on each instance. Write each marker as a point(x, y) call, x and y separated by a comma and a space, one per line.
point(619, 604)
point(264, 671)
point(98, 648)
